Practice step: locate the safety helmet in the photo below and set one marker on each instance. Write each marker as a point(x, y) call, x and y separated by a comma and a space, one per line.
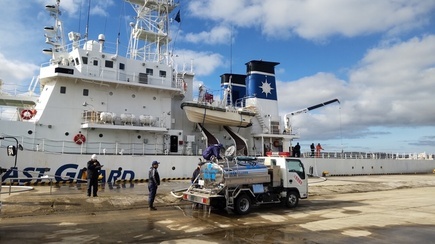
point(155, 163)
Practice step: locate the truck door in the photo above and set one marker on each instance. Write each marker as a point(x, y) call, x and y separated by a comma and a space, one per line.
point(295, 176)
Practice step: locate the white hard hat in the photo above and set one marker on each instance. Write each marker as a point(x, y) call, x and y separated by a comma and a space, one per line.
point(94, 156)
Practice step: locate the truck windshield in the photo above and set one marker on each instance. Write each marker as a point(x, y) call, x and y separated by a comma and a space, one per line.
point(294, 165)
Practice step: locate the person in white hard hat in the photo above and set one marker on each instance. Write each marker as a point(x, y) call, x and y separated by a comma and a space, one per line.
point(93, 172)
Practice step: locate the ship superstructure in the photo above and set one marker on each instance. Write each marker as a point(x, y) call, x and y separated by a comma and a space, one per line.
point(91, 96)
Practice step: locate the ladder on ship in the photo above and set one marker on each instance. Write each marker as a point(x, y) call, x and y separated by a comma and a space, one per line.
point(260, 119)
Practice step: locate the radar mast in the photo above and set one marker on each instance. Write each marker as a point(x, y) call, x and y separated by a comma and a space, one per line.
point(149, 38)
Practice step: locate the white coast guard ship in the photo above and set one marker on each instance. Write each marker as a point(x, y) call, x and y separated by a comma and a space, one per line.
point(132, 110)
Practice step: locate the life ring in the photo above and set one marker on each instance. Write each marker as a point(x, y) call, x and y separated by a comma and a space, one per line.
point(79, 139)
point(276, 143)
point(26, 114)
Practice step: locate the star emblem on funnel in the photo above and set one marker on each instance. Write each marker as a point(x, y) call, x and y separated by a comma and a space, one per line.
point(266, 88)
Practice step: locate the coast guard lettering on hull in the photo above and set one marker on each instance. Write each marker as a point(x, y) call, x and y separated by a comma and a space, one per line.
point(65, 173)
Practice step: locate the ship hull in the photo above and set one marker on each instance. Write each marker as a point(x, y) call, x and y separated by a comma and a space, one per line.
point(31, 166)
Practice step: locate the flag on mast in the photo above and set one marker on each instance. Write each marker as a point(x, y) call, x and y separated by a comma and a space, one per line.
point(177, 17)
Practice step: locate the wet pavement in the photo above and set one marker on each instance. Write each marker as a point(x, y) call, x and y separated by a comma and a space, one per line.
point(360, 209)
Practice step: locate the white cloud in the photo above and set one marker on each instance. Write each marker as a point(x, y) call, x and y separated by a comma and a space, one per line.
point(397, 83)
point(101, 7)
point(391, 87)
point(217, 35)
point(13, 73)
point(72, 7)
point(314, 19)
point(17, 30)
point(204, 62)
point(21, 42)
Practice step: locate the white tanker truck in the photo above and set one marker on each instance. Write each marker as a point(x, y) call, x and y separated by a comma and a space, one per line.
point(242, 182)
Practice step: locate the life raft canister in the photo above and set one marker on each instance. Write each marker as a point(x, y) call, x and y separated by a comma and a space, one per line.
point(26, 114)
point(79, 139)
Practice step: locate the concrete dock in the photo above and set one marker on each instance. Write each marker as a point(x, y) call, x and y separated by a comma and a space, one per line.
point(357, 209)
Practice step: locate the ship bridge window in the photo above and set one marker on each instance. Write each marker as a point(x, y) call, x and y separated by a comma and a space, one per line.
point(63, 89)
point(85, 60)
point(95, 62)
point(108, 64)
point(162, 73)
point(121, 66)
point(77, 61)
point(85, 92)
point(149, 71)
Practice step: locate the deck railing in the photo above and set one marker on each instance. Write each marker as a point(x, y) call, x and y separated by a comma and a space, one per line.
point(102, 148)
point(370, 155)
point(141, 148)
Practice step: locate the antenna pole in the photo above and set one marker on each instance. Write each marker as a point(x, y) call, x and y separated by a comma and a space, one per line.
point(87, 21)
point(231, 50)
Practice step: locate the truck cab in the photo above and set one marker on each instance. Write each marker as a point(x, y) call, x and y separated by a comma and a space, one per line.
point(291, 173)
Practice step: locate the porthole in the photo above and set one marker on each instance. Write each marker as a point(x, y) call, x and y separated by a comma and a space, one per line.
point(67, 133)
point(139, 136)
point(133, 96)
point(100, 135)
point(29, 132)
point(111, 93)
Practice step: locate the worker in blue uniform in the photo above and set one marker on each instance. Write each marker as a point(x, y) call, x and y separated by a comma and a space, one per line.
point(213, 150)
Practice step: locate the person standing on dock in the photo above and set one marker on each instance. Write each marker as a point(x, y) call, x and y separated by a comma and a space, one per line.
point(196, 172)
point(153, 183)
point(93, 171)
point(195, 180)
point(318, 148)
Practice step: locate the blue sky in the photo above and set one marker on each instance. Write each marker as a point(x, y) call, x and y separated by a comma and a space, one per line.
point(376, 57)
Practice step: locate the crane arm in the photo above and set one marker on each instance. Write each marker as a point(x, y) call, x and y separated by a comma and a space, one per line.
point(322, 104)
point(287, 116)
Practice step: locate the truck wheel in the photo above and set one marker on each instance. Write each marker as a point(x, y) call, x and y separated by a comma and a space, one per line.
point(292, 199)
point(242, 205)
